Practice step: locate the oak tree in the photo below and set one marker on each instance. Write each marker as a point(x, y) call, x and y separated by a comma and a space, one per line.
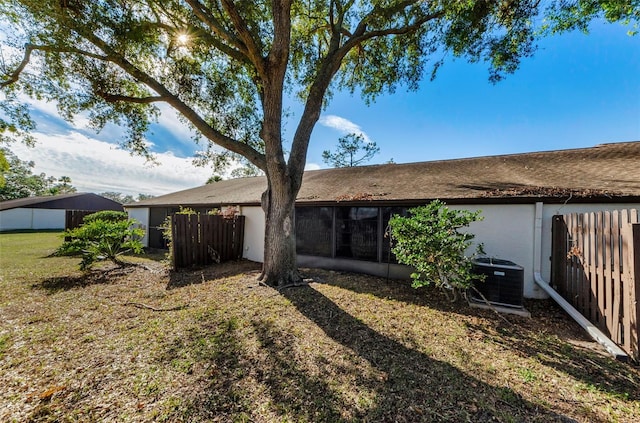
point(226, 65)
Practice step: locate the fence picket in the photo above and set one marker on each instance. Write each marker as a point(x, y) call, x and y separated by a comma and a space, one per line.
point(616, 282)
point(598, 294)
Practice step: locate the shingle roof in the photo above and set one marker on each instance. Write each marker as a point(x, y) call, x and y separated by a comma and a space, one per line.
point(605, 172)
point(74, 201)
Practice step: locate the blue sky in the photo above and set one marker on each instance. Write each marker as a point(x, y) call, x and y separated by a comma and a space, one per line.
point(577, 91)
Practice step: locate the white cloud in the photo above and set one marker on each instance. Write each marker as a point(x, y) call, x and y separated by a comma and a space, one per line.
point(343, 125)
point(171, 122)
point(168, 120)
point(98, 166)
point(312, 166)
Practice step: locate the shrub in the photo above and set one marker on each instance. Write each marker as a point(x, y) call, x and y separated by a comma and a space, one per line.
point(104, 235)
point(431, 241)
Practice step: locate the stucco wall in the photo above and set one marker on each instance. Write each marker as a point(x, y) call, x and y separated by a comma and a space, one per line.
point(254, 230)
point(25, 218)
point(142, 216)
point(507, 232)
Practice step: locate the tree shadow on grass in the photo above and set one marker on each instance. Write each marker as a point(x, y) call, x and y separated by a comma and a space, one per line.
point(56, 284)
point(597, 371)
point(234, 378)
point(387, 289)
point(416, 387)
point(545, 336)
point(185, 277)
point(293, 390)
point(252, 367)
point(216, 346)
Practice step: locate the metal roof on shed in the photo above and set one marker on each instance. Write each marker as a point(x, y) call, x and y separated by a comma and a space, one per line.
point(75, 201)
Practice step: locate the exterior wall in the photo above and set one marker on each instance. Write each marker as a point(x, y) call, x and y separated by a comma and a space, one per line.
point(142, 216)
point(25, 218)
point(507, 232)
point(48, 219)
point(254, 230)
point(15, 219)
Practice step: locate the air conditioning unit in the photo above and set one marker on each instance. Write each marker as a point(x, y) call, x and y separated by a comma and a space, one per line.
point(503, 284)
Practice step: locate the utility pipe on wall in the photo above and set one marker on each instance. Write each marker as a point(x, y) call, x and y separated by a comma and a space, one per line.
point(593, 331)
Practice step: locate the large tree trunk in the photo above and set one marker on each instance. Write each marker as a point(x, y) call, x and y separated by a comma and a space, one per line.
point(280, 265)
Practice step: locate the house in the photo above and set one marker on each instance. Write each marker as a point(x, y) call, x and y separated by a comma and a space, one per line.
point(341, 214)
point(49, 212)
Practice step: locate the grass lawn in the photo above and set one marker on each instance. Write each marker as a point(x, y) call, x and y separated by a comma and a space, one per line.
point(145, 344)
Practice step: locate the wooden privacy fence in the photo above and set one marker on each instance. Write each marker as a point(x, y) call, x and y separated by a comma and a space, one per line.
point(200, 239)
point(595, 266)
point(73, 218)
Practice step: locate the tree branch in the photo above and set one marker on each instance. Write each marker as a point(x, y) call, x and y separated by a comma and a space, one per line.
point(361, 34)
point(113, 98)
point(253, 49)
point(215, 26)
point(331, 64)
point(190, 114)
point(28, 48)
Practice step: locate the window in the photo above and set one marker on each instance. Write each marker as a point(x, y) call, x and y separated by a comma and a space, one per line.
point(313, 231)
point(357, 233)
point(387, 212)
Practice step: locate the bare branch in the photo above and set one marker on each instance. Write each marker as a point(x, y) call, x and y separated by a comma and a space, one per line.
point(361, 35)
point(13, 78)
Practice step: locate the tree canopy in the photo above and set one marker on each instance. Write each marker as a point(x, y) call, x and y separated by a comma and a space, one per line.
point(352, 150)
point(226, 65)
point(124, 199)
point(19, 181)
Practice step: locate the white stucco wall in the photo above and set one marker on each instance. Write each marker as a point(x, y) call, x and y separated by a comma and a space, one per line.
point(25, 218)
point(142, 216)
point(507, 232)
point(254, 229)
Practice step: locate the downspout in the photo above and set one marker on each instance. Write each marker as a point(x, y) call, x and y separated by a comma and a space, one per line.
point(593, 331)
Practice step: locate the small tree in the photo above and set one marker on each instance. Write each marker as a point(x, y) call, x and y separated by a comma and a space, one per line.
point(352, 150)
point(431, 241)
point(105, 235)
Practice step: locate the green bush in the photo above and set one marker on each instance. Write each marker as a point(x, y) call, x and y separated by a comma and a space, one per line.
point(431, 241)
point(104, 235)
point(106, 215)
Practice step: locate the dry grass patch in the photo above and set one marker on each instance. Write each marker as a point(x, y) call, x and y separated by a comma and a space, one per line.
point(349, 348)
